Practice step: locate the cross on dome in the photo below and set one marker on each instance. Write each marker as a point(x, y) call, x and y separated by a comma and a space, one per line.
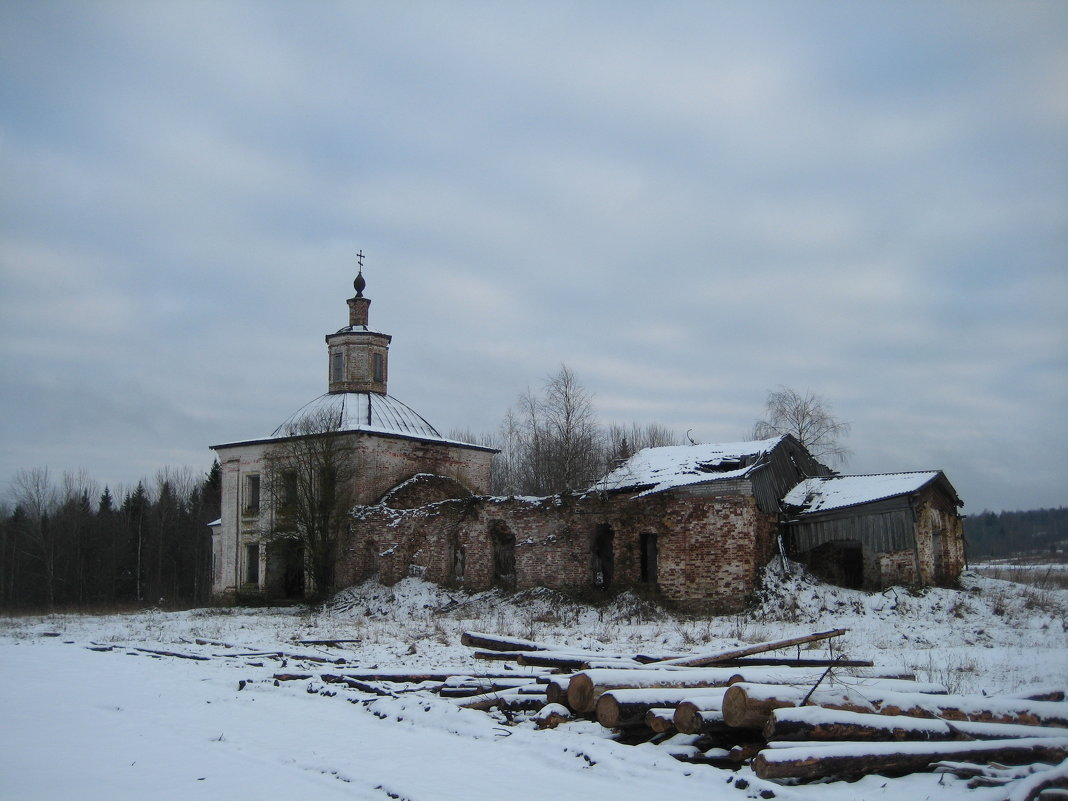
point(360, 283)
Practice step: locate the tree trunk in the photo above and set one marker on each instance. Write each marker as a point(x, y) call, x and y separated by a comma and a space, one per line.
point(817, 723)
point(849, 760)
point(492, 642)
point(619, 708)
point(759, 648)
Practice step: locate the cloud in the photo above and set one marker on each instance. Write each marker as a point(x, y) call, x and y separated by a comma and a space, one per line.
point(688, 206)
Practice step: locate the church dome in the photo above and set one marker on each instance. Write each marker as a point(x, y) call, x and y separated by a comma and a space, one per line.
point(357, 411)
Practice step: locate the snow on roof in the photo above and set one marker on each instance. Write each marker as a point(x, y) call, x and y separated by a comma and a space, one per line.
point(659, 469)
point(836, 492)
point(362, 411)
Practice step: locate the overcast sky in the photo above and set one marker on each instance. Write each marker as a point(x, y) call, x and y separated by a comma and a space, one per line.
point(688, 203)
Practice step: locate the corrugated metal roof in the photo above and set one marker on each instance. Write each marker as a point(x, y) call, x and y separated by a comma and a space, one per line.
point(823, 494)
point(672, 466)
point(360, 411)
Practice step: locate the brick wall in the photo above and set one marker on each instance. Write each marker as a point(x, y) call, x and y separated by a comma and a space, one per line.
point(709, 551)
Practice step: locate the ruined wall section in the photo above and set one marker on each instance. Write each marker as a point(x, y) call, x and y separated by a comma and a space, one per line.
point(386, 461)
point(708, 551)
point(939, 538)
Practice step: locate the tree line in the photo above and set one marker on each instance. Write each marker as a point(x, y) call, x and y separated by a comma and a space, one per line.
point(67, 543)
point(1033, 533)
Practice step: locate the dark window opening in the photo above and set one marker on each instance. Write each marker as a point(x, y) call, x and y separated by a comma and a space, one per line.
point(285, 569)
point(459, 563)
point(379, 367)
point(647, 543)
point(838, 562)
point(289, 489)
point(503, 556)
point(337, 367)
point(603, 556)
point(252, 563)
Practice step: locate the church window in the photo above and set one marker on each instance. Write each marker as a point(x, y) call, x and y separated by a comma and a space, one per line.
point(289, 488)
point(252, 563)
point(379, 367)
point(252, 494)
point(337, 366)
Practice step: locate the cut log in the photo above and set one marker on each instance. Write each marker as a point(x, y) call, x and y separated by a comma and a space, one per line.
point(586, 687)
point(326, 642)
point(556, 690)
point(1030, 788)
point(768, 661)
point(817, 723)
point(660, 719)
point(620, 708)
point(175, 654)
point(563, 660)
point(291, 676)
point(750, 705)
point(976, 708)
point(759, 648)
point(552, 715)
point(505, 699)
point(700, 715)
point(850, 760)
point(494, 642)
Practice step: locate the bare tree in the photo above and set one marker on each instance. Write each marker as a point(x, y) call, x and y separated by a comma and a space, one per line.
point(38, 499)
point(808, 418)
point(625, 441)
point(311, 487)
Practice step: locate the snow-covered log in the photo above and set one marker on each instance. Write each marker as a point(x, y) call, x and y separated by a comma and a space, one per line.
point(494, 642)
point(849, 760)
point(751, 705)
point(618, 708)
point(817, 723)
point(660, 719)
point(759, 648)
point(587, 686)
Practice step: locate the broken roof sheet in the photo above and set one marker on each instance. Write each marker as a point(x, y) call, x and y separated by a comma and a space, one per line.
point(660, 469)
point(835, 492)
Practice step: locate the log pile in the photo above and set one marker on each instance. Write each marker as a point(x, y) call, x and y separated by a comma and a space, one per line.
point(790, 719)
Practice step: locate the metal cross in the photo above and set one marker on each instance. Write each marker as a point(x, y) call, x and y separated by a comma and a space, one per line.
point(359, 259)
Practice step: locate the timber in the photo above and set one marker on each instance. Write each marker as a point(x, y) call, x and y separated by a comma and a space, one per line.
point(817, 723)
point(493, 642)
point(851, 760)
point(621, 708)
point(737, 653)
point(660, 719)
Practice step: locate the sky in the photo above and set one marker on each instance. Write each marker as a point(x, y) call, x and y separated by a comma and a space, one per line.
point(687, 203)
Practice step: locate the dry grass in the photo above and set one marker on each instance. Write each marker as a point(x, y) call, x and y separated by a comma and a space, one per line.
point(1043, 576)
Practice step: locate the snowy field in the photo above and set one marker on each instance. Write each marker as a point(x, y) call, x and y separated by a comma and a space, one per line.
point(126, 723)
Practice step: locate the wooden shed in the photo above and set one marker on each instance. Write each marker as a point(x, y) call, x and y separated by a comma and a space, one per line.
point(872, 531)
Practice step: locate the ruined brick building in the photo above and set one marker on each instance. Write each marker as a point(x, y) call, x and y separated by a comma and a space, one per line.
point(693, 524)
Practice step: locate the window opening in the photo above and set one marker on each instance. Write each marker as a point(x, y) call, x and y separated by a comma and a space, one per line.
point(647, 542)
point(252, 563)
point(603, 556)
point(252, 494)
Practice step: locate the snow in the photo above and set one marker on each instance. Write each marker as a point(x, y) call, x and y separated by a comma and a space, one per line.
point(824, 494)
point(660, 469)
point(124, 723)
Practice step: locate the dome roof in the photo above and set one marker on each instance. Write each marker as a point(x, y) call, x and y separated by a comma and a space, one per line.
point(357, 411)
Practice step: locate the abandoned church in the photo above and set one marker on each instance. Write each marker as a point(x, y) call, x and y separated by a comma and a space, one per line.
point(693, 524)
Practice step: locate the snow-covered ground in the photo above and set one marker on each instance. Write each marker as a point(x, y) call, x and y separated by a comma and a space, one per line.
point(126, 723)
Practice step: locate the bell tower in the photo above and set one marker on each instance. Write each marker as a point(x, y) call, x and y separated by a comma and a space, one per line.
point(358, 356)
